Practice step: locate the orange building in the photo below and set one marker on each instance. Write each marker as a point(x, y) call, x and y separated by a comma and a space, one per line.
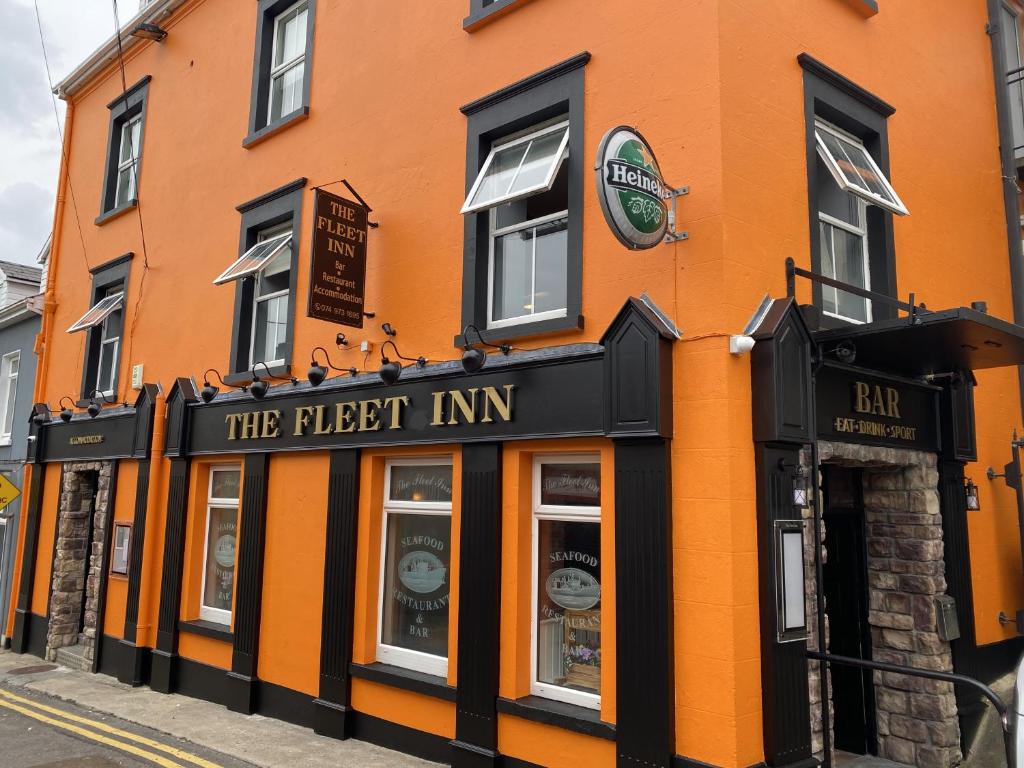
point(391, 386)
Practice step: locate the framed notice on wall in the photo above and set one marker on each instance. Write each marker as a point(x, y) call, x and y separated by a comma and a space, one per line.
point(337, 278)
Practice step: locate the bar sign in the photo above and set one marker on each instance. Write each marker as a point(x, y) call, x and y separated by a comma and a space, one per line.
point(337, 280)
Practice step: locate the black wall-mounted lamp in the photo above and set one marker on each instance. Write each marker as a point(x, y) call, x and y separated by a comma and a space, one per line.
point(149, 31)
point(258, 388)
point(208, 392)
point(971, 496)
point(473, 359)
point(801, 497)
point(389, 329)
point(317, 373)
point(390, 370)
point(94, 408)
point(66, 411)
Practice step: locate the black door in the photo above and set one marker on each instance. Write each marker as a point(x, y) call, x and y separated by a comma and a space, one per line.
point(846, 600)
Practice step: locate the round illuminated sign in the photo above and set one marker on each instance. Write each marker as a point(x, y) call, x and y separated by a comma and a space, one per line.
point(630, 188)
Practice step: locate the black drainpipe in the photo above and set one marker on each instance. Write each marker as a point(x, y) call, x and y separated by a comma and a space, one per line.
point(1009, 172)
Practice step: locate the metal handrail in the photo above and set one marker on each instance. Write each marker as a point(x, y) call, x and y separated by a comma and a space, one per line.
point(946, 677)
point(793, 271)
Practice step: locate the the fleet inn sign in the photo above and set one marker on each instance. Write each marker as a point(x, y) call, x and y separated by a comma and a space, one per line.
point(337, 280)
point(631, 189)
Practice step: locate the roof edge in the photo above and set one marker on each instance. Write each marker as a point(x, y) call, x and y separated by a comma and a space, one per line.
point(156, 11)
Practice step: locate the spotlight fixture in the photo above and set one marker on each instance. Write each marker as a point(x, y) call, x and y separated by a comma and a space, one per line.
point(846, 352)
point(66, 412)
point(148, 31)
point(971, 496)
point(473, 359)
point(94, 408)
point(340, 340)
point(258, 388)
point(389, 329)
point(208, 392)
point(317, 373)
point(391, 370)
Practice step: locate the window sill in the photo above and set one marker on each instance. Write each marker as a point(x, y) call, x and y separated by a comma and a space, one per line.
point(537, 328)
point(115, 213)
point(245, 377)
point(406, 679)
point(484, 16)
point(559, 714)
point(207, 629)
point(5, 441)
point(264, 133)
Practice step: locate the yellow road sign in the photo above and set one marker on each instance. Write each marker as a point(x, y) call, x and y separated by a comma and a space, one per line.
point(8, 492)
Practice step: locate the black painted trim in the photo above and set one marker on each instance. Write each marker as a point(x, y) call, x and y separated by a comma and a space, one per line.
point(105, 276)
point(282, 205)
point(833, 97)
point(138, 541)
point(130, 103)
point(476, 718)
point(482, 10)
point(559, 714)
point(205, 628)
point(166, 651)
point(124, 258)
point(108, 537)
point(383, 733)
point(21, 636)
point(259, 97)
point(644, 674)
point(258, 137)
point(678, 761)
point(337, 618)
point(116, 213)
point(824, 72)
point(249, 585)
point(406, 679)
point(550, 93)
point(245, 377)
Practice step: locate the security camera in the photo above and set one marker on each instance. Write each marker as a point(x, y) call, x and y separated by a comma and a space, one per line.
point(846, 352)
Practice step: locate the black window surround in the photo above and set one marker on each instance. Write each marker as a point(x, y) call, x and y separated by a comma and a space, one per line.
point(482, 11)
point(110, 275)
point(122, 109)
point(832, 97)
point(279, 206)
point(555, 91)
point(206, 628)
point(406, 679)
point(260, 126)
point(559, 714)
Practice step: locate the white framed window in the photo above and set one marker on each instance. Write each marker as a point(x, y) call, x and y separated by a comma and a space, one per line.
point(122, 547)
point(271, 302)
point(110, 347)
point(9, 365)
point(843, 234)
point(523, 188)
point(288, 61)
point(853, 168)
point(566, 583)
point(128, 160)
point(257, 257)
point(415, 566)
point(221, 533)
point(98, 312)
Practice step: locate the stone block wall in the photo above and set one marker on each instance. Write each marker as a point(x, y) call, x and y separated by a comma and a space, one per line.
point(916, 718)
point(77, 567)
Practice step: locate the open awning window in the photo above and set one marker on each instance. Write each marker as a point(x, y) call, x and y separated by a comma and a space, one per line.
point(255, 258)
point(518, 168)
point(98, 313)
point(854, 169)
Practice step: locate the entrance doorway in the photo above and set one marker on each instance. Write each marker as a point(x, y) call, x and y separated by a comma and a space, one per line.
point(846, 600)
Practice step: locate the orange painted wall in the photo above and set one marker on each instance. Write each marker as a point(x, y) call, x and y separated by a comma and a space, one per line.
point(293, 571)
point(550, 746)
point(715, 87)
point(117, 585)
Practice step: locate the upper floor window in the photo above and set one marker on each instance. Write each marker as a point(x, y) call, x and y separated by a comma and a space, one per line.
point(104, 325)
point(1014, 60)
point(124, 151)
point(281, 73)
point(523, 249)
point(264, 276)
point(523, 187)
point(8, 393)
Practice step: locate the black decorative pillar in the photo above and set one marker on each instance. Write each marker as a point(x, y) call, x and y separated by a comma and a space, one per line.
point(638, 416)
point(476, 719)
point(132, 669)
point(333, 703)
point(782, 394)
point(163, 672)
point(242, 681)
point(21, 636)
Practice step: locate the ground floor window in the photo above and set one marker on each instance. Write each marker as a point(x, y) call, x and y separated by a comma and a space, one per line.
point(567, 579)
point(219, 551)
point(416, 564)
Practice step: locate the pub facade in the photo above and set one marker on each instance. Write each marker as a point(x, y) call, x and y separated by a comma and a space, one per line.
point(538, 404)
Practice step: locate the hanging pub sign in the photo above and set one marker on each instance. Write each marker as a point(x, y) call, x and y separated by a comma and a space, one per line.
point(631, 189)
point(337, 279)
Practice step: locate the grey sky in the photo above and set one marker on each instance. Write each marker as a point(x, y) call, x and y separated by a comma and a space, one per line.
point(29, 138)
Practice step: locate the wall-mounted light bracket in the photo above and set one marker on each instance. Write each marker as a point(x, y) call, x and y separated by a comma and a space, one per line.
point(671, 235)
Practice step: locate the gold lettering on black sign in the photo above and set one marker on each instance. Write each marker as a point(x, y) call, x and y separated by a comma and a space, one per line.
point(85, 440)
point(876, 400)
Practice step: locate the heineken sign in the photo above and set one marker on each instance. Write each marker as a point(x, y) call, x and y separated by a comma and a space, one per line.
point(631, 190)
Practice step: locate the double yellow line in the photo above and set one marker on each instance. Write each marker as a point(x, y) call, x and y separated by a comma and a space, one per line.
point(97, 731)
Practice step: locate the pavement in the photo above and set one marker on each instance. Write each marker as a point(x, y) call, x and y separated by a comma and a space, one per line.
point(55, 717)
